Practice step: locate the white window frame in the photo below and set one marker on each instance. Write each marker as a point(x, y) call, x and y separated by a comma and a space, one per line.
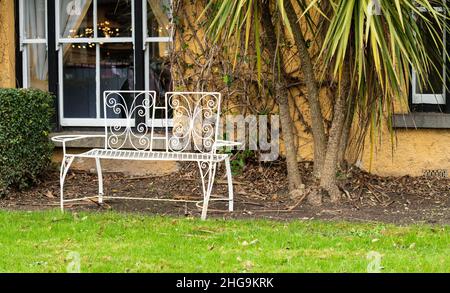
point(147, 41)
point(60, 41)
point(24, 41)
point(436, 99)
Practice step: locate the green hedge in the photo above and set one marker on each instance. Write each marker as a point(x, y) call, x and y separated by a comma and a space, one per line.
point(25, 149)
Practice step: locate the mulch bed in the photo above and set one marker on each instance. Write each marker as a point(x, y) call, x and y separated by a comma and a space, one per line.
point(260, 192)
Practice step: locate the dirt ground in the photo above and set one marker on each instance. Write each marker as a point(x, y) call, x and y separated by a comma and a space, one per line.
point(260, 192)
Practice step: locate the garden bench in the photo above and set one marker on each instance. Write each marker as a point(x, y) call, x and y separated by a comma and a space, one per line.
point(130, 134)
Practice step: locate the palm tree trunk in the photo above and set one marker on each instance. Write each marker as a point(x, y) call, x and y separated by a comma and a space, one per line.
point(296, 186)
point(294, 177)
point(306, 68)
point(328, 174)
point(346, 135)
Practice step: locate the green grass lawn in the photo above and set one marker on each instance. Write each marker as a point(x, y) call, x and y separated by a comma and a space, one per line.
point(112, 242)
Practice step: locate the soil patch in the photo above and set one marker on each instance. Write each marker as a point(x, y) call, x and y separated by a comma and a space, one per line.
point(260, 192)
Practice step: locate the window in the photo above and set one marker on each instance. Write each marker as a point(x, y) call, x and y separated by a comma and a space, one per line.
point(33, 43)
point(429, 101)
point(95, 43)
point(433, 90)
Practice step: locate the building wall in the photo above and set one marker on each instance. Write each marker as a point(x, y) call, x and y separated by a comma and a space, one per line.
point(414, 150)
point(7, 46)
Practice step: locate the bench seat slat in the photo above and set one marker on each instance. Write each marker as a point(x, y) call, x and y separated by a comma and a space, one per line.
point(149, 155)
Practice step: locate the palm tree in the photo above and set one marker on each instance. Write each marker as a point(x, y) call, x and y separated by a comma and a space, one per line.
point(232, 17)
point(369, 55)
point(375, 44)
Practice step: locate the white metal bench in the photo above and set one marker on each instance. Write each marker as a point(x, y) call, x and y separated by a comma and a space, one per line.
point(131, 135)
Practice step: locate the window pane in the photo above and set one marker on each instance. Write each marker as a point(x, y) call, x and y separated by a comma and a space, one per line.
point(159, 77)
point(158, 18)
point(434, 81)
point(34, 19)
point(76, 19)
point(159, 67)
point(116, 69)
point(79, 81)
point(114, 18)
point(37, 66)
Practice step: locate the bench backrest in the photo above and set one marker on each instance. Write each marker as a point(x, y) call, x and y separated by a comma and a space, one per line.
point(190, 121)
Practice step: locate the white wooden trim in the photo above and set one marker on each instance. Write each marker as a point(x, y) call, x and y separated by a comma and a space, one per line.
point(95, 20)
point(95, 122)
point(146, 65)
point(34, 41)
point(418, 98)
point(95, 40)
point(61, 83)
point(25, 69)
point(158, 39)
point(97, 80)
point(133, 30)
point(429, 99)
point(21, 24)
point(46, 26)
point(57, 24)
point(144, 22)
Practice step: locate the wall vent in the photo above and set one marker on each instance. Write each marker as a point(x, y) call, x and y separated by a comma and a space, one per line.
point(438, 173)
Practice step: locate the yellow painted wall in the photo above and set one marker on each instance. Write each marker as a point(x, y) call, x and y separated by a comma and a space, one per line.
point(7, 46)
point(415, 150)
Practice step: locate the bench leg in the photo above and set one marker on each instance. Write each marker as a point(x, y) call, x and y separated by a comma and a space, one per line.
point(100, 180)
point(207, 170)
point(65, 165)
point(230, 185)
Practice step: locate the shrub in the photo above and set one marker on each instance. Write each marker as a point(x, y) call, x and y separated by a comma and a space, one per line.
point(25, 149)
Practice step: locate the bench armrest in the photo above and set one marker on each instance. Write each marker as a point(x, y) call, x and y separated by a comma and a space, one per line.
point(63, 139)
point(224, 143)
point(67, 138)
